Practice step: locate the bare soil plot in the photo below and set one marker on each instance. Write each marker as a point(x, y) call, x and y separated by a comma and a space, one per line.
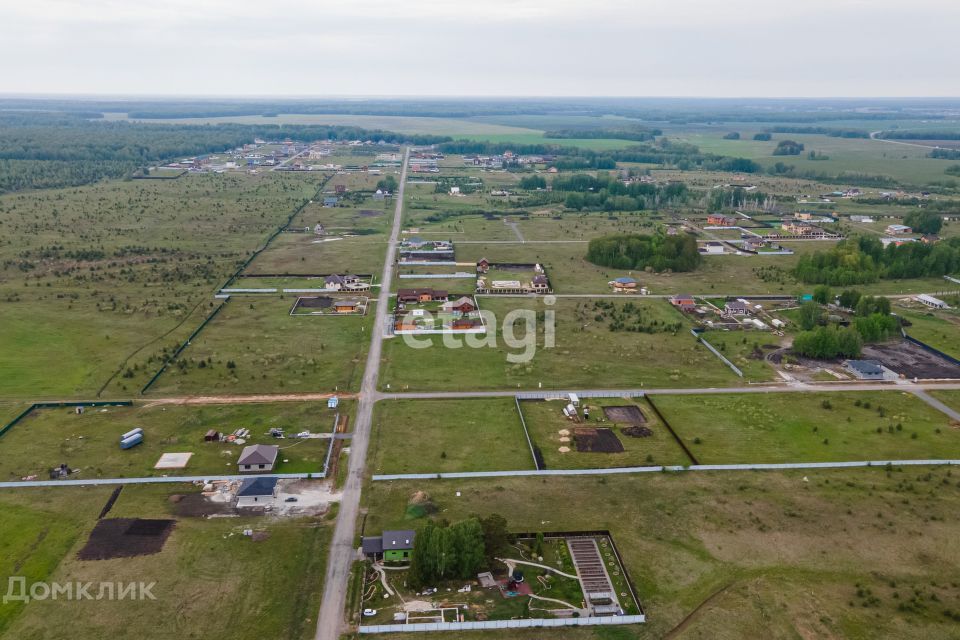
point(126, 538)
point(911, 360)
point(629, 414)
point(597, 440)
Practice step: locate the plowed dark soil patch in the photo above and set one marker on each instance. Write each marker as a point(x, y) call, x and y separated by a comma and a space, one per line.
point(320, 302)
point(369, 213)
point(591, 440)
point(126, 538)
point(627, 414)
point(194, 505)
point(637, 432)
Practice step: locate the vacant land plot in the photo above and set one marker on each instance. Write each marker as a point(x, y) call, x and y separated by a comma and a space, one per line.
point(140, 258)
point(200, 557)
point(950, 397)
point(809, 427)
point(747, 351)
point(254, 345)
point(424, 436)
point(586, 354)
point(765, 554)
point(302, 253)
point(940, 330)
point(556, 435)
point(911, 360)
point(90, 442)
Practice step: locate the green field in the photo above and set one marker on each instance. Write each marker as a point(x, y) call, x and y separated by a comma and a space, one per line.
point(203, 574)
point(940, 329)
point(545, 421)
point(765, 554)
point(305, 254)
point(586, 354)
point(426, 436)
point(746, 350)
point(809, 427)
point(133, 277)
point(271, 351)
point(90, 442)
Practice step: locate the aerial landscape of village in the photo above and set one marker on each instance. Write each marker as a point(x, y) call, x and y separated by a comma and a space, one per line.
point(362, 363)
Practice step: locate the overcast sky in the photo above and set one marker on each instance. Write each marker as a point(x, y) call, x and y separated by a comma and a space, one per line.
point(481, 47)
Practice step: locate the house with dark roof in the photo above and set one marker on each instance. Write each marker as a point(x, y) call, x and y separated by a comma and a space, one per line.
point(257, 492)
point(865, 369)
point(258, 458)
point(735, 308)
point(392, 546)
point(623, 284)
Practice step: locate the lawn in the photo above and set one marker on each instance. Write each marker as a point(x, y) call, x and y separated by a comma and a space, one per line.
point(203, 586)
point(834, 553)
point(586, 353)
point(427, 436)
point(271, 351)
point(545, 421)
point(809, 427)
point(950, 397)
point(90, 442)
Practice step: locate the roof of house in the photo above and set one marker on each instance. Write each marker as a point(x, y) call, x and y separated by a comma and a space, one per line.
point(735, 304)
point(540, 279)
point(625, 280)
point(867, 367)
point(255, 487)
point(334, 278)
point(373, 544)
point(459, 301)
point(259, 454)
point(400, 539)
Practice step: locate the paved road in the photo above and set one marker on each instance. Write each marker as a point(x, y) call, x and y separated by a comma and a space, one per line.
point(936, 404)
point(330, 621)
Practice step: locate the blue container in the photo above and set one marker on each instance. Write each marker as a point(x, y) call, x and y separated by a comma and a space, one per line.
point(132, 441)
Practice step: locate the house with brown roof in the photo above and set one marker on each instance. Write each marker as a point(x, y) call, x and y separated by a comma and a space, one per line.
point(461, 305)
point(720, 220)
point(683, 301)
point(258, 458)
point(421, 295)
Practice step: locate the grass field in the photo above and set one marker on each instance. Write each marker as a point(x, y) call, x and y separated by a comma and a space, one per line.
point(203, 575)
point(744, 349)
point(586, 354)
point(304, 253)
point(425, 436)
point(940, 330)
point(270, 350)
point(545, 420)
point(809, 427)
point(140, 258)
point(90, 442)
point(766, 554)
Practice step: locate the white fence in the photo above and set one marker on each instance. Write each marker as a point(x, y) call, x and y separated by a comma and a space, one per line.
point(533, 623)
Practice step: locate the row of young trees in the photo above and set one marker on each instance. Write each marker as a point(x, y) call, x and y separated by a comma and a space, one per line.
point(658, 252)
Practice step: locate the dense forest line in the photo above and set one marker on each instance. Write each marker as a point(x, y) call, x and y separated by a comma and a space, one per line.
point(607, 193)
point(919, 135)
point(659, 252)
point(826, 131)
point(637, 134)
point(43, 150)
point(864, 260)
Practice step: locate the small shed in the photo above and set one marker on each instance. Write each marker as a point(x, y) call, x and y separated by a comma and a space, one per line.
point(212, 436)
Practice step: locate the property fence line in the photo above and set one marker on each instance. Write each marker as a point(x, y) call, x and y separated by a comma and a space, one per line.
point(277, 232)
point(429, 276)
point(562, 395)
point(533, 623)
point(723, 358)
point(658, 469)
point(53, 405)
point(927, 347)
point(161, 479)
point(673, 433)
point(333, 439)
point(526, 433)
point(186, 343)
